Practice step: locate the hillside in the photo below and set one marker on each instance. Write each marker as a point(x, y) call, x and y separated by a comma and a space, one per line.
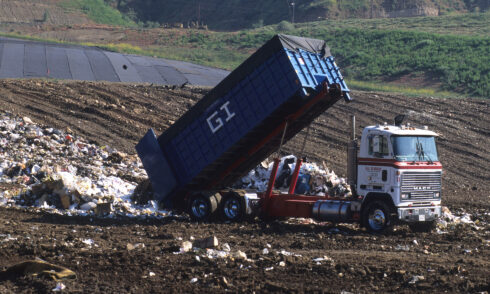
point(417, 55)
point(239, 14)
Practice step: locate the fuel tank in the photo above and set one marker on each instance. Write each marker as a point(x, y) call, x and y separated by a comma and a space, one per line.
point(332, 210)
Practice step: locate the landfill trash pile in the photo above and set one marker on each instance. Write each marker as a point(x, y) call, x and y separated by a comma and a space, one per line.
point(56, 170)
point(449, 220)
point(312, 179)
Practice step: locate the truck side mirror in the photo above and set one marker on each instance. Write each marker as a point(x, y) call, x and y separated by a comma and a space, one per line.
point(376, 144)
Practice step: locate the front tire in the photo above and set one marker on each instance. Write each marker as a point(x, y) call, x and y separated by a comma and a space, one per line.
point(377, 217)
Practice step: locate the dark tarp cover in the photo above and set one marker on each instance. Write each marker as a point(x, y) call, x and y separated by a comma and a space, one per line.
point(32, 59)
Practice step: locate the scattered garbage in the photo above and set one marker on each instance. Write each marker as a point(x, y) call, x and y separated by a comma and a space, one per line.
point(449, 220)
point(240, 255)
point(131, 247)
point(186, 247)
point(88, 242)
point(325, 258)
point(59, 287)
point(312, 179)
point(210, 242)
point(56, 170)
point(287, 253)
point(416, 279)
point(226, 247)
point(400, 247)
point(6, 238)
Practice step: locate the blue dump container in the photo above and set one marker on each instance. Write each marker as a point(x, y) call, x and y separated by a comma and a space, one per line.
point(234, 127)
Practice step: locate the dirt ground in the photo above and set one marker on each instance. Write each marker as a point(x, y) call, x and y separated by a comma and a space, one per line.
point(353, 261)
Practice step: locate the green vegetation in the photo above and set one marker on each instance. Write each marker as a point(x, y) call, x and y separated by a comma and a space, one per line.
point(456, 63)
point(457, 24)
point(405, 90)
point(99, 12)
point(239, 14)
point(461, 63)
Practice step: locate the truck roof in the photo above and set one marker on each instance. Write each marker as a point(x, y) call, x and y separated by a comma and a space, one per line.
point(402, 130)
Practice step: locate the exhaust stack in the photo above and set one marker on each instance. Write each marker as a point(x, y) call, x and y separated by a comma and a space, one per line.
point(352, 157)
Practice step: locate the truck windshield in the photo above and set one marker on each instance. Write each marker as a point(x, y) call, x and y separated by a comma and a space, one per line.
point(414, 148)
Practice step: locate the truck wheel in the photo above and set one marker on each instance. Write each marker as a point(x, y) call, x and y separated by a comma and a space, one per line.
point(422, 226)
point(232, 208)
point(377, 218)
point(201, 207)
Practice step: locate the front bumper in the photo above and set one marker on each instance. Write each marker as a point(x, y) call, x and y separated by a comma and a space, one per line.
point(419, 214)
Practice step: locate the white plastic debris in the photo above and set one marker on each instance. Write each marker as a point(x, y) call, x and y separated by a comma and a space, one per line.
point(186, 247)
point(194, 280)
point(312, 180)
point(213, 253)
point(239, 255)
point(59, 287)
point(400, 247)
point(287, 253)
point(321, 259)
point(88, 242)
point(415, 279)
point(265, 251)
point(226, 247)
point(6, 238)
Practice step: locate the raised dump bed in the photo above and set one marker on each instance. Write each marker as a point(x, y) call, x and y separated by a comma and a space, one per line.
point(240, 122)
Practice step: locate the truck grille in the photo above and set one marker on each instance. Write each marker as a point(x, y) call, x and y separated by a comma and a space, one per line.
point(421, 185)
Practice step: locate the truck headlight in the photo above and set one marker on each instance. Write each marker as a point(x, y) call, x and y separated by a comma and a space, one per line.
point(437, 194)
point(405, 195)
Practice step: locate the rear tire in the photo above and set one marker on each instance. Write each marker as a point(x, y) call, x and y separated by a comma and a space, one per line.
point(377, 218)
point(232, 208)
point(202, 207)
point(422, 227)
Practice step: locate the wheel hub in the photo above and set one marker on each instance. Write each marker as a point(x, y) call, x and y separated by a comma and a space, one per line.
point(199, 208)
point(377, 219)
point(232, 208)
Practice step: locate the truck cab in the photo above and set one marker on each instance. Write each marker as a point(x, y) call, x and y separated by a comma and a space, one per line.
point(398, 173)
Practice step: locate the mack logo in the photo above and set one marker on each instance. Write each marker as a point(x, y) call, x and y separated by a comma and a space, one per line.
point(422, 188)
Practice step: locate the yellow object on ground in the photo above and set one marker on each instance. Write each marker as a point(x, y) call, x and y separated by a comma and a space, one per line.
point(40, 268)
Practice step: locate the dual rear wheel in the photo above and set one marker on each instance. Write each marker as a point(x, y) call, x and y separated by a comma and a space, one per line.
point(203, 207)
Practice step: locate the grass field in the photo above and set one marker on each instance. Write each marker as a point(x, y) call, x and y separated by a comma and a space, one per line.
point(99, 12)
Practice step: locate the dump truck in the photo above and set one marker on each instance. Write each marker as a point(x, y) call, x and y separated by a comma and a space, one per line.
point(277, 92)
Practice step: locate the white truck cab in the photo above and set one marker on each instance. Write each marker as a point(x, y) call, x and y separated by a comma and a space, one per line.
point(398, 168)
